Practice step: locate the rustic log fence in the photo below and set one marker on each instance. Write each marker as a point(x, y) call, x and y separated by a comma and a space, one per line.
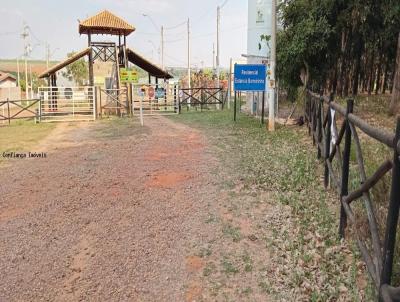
point(322, 115)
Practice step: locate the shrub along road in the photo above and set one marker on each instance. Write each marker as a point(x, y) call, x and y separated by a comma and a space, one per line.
point(191, 208)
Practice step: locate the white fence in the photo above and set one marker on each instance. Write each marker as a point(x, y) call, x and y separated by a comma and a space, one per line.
point(67, 104)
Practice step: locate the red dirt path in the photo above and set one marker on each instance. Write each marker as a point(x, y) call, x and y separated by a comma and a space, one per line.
point(106, 217)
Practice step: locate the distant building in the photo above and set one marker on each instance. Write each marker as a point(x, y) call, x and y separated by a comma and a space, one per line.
point(8, 87)
point(7, 80)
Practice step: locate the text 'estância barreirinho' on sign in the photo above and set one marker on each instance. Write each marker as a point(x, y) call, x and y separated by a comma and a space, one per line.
point(249, 81)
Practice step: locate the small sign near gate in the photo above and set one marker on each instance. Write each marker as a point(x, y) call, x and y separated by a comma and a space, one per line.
point(160, 93)
point(250, 77)
point(151, 92)
point(128, 75)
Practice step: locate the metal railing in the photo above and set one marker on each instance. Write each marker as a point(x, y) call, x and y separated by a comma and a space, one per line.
point(322, 116)
point(67, 104)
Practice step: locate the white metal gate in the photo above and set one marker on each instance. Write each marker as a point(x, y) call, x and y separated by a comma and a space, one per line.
point(61, 104)
point(161, 99)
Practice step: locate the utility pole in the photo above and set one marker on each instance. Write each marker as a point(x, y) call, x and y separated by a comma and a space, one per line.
point(18, 78)
point(271, 119)
point(213, 57)
point(218, 25)
point(47, 55)
point(30, 71)
point(188, 49)
point(230, 83)
point(162, 47)
point(24, 36)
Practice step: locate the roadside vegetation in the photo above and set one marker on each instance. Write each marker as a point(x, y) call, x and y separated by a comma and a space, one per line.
point(276, 181)
point(346, 47)
point(21, 136)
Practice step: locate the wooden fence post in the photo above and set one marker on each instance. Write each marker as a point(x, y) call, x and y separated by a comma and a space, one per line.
point(328, 138)
point(393, 214)
point(8, 109)
point(308, 109)
point(319, 126)
point(345, 169)
point(313, 120)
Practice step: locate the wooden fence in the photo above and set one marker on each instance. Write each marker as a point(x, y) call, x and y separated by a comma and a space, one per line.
point(323, 116)
point(202, 97)
point(21, 109)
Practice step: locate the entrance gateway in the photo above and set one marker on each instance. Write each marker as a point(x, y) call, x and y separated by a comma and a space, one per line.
point(111, 77)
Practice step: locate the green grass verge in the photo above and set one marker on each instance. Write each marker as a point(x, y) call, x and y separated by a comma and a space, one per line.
point(21, 136)
point(284, 163)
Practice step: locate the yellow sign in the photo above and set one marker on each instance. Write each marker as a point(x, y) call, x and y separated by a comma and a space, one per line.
point(99, 81)
point(128, 75)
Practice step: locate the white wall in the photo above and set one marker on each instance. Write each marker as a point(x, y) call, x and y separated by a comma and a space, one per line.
point(10, 93)
point(8, 83)
point(259, 23)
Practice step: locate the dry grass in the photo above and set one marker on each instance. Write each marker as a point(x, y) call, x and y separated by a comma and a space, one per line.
point(300, 225)
point(21, 136)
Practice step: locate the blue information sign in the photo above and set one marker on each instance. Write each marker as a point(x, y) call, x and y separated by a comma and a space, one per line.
point(250, 77)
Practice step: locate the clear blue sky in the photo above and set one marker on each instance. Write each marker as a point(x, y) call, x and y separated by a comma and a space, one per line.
point(56, 22)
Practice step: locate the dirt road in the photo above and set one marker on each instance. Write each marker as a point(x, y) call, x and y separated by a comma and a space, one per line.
point(117, 212)
point(112, 214)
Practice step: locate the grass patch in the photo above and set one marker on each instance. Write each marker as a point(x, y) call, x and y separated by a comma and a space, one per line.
point(209, 269)
point(115, 128)
point(232, 232)
point(22, 136)
point(228, 267)
point(284, 164)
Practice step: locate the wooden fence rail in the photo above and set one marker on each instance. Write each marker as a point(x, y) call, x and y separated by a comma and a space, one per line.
point(202, 97)
point(322, 115)
point(15, 109)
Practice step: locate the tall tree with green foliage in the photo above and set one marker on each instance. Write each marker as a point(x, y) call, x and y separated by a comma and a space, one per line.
point(395, 102)
point(76, 71)
point(340, 46)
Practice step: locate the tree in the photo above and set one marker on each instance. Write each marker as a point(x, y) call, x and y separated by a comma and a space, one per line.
point(394, 104)
point(346, 47)
point(76, 71)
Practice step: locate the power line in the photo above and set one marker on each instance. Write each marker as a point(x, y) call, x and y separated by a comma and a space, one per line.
point(206, 13)
point(175, 59)
point(207, 34)
point(35, 37)
point(223, 4)
point(176, 26)
point(10, 33)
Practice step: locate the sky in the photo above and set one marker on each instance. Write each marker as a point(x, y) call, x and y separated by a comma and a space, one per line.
point(56, 22)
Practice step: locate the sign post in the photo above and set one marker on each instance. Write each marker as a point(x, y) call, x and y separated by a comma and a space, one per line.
point(249, 78)
point(142, 95)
